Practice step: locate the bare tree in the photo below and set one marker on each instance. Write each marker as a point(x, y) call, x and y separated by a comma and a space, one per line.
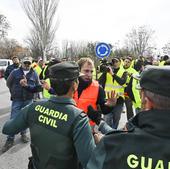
point(65, 49)
point(34, 45)
point(77, 49)
point(10, 48)
point(166, 49)
point(4, 26)
point(41, 14)
point(73, 50)
point(140, 40)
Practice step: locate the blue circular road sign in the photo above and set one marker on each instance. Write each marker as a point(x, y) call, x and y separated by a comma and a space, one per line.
point(102, 50)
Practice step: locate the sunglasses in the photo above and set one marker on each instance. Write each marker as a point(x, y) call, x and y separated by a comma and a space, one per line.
point(27, 63)
point(87, 71)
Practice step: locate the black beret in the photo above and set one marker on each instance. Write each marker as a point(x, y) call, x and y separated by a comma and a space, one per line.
point(64, 71)
point(156, 79)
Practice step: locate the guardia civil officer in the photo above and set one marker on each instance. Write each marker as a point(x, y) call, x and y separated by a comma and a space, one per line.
point(145, 143)
point(57, 127)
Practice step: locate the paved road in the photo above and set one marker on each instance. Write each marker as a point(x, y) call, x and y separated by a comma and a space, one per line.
point(17, 156)
point(4, 109)
point(4, 96)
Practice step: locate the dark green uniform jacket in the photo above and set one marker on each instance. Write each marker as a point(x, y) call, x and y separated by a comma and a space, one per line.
point(60, 133)
point(145, 146)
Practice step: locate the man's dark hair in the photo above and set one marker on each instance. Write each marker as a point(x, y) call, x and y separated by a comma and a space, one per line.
point(51, 63)
point(138, 65)
point(61, 87)
point(167, 62)
point(129, 58)
point(165, 57)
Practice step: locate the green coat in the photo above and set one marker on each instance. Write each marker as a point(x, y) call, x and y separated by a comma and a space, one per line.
point(60, 133)
point(145, 144)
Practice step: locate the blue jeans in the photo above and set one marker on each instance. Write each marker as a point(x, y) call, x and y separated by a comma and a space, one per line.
point(15, 110)
point(112, 119)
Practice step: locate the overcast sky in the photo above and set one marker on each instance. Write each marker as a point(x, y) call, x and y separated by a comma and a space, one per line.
point(97, 20)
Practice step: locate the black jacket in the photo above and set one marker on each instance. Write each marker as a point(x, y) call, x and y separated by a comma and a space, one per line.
point(9, 69)
point(144, 145)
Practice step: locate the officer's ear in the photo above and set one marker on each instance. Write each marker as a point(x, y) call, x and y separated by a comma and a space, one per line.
point(147, 104)
point(75, 85)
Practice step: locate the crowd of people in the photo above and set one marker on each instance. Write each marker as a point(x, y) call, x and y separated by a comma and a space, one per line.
point(62, 103)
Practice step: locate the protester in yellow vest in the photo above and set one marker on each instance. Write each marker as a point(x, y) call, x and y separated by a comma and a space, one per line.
point(163, 60)
point(132, 96)
point(114, 79)
point(161, 63)
point(102, 68)
point(139, 64)
point(167, 62)
point(45, 76)
point(38, 66)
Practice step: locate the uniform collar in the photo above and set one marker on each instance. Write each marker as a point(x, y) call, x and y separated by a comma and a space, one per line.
point(153, 121)
point(62, 100)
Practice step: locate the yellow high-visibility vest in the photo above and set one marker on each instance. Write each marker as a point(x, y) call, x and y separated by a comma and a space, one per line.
point(45, 92)
point(162, 63)
point(38, 69)
point(136, 94)
point(137, 103)
point(94, 74)
point(110, 85)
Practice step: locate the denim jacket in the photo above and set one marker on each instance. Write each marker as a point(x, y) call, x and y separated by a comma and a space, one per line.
point(17, 91)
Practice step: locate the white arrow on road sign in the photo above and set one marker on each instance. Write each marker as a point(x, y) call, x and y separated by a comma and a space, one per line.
point(102, 50)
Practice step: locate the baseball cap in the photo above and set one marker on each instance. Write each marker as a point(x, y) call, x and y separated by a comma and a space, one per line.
point(27, 59)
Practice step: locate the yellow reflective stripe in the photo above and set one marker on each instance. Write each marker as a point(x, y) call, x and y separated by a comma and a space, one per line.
point(43, 74)
point(114, 87)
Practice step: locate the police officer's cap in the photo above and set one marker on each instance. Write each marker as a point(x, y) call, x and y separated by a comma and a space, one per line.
point(156, 79)
point(65, 71)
